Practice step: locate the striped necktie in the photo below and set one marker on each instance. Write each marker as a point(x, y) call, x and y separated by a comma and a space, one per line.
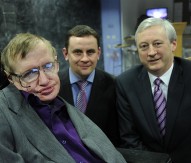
point(81, 103)
point(160, 105)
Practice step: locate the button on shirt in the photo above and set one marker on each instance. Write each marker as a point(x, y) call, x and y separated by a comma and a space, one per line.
point(56, 118)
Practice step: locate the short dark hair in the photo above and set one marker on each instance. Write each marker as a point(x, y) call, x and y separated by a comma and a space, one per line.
point(81, 31)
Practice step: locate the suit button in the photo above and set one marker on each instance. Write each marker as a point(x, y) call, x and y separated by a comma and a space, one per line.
point(63, 142)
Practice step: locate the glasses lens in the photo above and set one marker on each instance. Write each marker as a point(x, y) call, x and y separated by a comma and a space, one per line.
point(30, 75)
point(49, 67)
point(33, 74)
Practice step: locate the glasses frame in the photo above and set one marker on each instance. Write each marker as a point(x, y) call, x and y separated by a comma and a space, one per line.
point(19, 76)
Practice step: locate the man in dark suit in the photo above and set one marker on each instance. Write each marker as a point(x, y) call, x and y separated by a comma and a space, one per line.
point(141, 125)
point(36, 125)
point(82, 50)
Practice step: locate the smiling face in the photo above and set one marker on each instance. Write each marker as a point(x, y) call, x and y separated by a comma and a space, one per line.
point(155, 50)
point(83, 54)
point(46, 87)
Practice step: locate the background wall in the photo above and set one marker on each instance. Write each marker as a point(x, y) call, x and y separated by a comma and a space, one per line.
point(113, 19)
point(130, 12)
point(111, 35)
point(48, 18)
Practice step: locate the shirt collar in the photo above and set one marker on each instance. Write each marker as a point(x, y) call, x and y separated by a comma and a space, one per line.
point(165, 77)
point(74, 78)
point(35, 101)
point(26, 95)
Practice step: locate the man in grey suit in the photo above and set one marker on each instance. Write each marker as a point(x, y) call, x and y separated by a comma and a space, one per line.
point(166, 126)
point(82, 51)
point(35, 124)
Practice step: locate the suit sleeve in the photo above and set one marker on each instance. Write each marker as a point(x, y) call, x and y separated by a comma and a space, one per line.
point(129, 134)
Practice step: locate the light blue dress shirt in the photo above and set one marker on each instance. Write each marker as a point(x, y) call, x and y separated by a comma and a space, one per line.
point(75, 89)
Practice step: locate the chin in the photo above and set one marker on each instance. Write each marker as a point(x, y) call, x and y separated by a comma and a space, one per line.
point(84, 73)
point(47, 99)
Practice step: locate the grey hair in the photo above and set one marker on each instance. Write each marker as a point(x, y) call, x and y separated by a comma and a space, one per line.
point(18, 48)
point(167, 25)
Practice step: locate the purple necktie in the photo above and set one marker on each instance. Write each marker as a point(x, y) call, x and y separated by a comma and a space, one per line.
point(160, 105)
point(81, 98)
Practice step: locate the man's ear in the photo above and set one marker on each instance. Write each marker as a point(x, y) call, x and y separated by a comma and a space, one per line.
point(99, 52)
point(55, 57)
point(65, 53)
point(174, 45)
point(9, 77)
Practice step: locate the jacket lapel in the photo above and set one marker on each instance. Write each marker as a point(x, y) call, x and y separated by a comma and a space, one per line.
point(146, 99)
point(66, 90)
point(97, 88)
point(176, 89)
point(78, 118)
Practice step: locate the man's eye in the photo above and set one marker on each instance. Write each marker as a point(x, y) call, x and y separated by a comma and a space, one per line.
point(157, 44)
point(91, 52)
point(77, 52)
point(30, 73)
point(48, 65)
point(143, 46)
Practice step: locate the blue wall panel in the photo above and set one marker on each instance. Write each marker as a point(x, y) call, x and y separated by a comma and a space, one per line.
point(111, 36)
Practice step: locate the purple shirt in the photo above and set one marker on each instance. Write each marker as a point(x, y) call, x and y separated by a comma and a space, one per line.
point(56, 117)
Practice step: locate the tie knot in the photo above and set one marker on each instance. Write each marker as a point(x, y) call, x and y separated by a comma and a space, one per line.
point(82, 84)
point(157, 81)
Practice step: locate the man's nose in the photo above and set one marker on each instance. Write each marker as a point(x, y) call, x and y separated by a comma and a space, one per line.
point(152, 50)
point(43, 78)
point(85, 57)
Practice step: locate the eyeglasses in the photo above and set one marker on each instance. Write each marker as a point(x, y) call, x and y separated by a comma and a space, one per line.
point(33, 74)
